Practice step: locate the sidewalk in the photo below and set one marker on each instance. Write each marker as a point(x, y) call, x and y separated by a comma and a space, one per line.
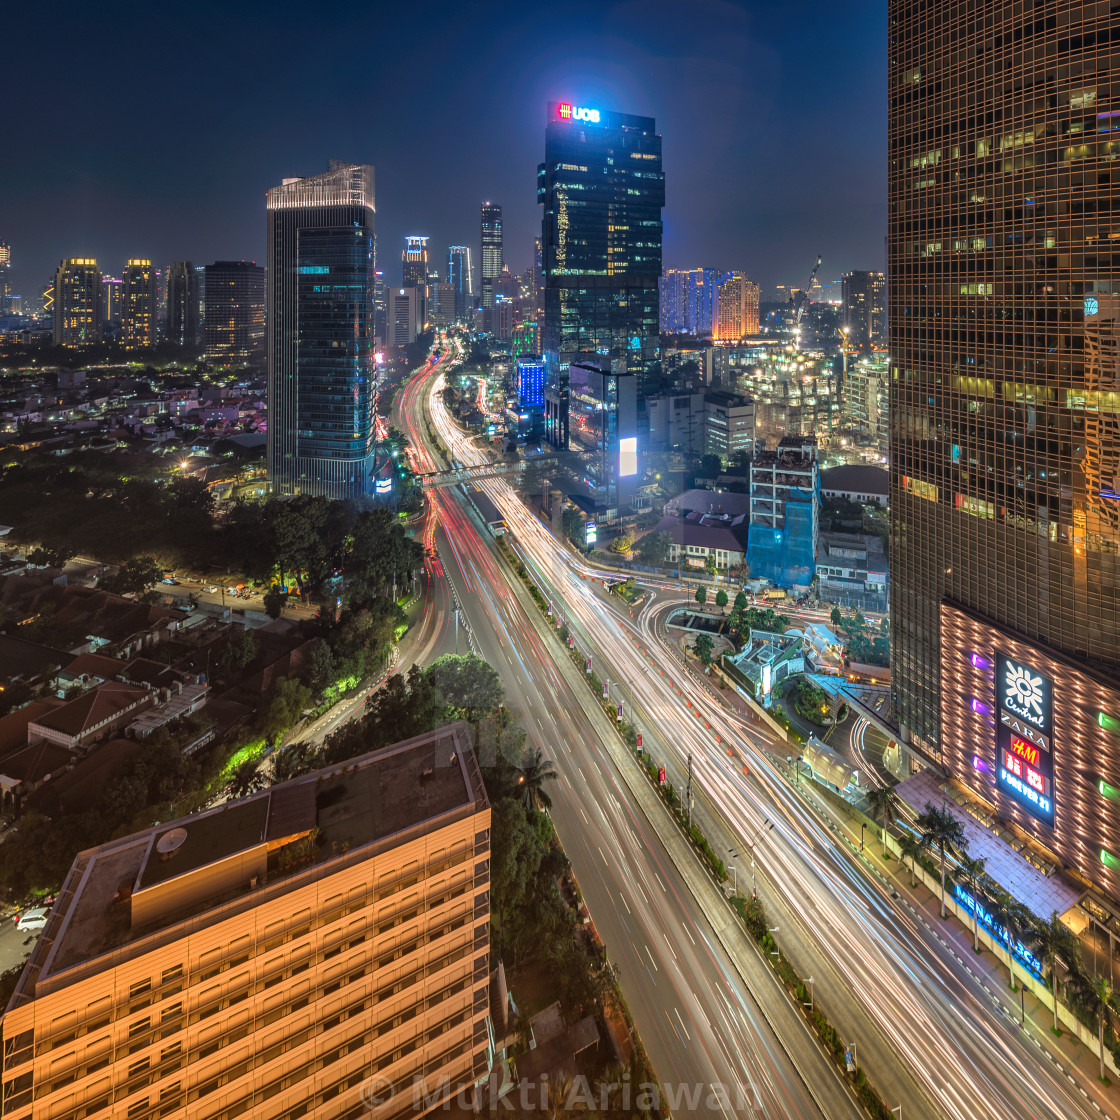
point(1067, 1053)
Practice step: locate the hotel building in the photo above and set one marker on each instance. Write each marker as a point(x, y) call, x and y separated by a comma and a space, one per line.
point(320, 949)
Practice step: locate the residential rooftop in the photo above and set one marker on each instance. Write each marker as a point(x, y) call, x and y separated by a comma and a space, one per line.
point(129, 895)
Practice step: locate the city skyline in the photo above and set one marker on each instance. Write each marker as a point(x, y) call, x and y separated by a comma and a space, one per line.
point(737, 199)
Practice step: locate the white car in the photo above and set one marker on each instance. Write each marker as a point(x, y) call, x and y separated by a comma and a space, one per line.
point(211, 591)
point(33, 919)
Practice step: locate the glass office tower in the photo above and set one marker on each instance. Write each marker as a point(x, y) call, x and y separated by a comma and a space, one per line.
point(460, 277)
point(1004, 314)
point(321, 272)
point(602, 189)
point(493, 251)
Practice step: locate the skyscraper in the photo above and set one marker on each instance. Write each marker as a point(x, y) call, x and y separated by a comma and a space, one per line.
point(321, 391)
point(736, 308)
point(77, 302)
point(138, 305)
point(233, 331)
point(1005, 482)
point(688, 300)
point(5, 277)
point(865, 309)
point(460, 277)
point(493, 258)
point(602, 189)
point(184, 327)
point(414, 262)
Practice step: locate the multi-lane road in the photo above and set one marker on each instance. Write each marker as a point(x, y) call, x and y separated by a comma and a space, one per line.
point(927, 1032)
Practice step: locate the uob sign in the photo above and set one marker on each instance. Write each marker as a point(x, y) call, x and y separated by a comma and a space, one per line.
point(568, 112)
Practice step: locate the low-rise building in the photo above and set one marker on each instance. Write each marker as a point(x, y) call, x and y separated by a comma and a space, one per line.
point(276, 956)
point(856, 482)
point(852, 569)
point(764, 660)
point(95, 715)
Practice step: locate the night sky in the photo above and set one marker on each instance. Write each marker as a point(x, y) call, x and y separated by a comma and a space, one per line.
point(154, 130)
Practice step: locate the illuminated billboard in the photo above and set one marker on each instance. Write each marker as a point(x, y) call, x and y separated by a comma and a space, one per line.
point(566, 111)
point(1024, 730)
point(627, 457)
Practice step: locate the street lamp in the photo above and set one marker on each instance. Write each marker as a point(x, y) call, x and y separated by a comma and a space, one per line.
point(734, 871)
point(862, 830)
point(809, 981)
point(766, 825)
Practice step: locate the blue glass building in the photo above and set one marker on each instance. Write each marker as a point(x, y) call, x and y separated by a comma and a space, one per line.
point(321, 330)
point(602, 189)
point(530, 383)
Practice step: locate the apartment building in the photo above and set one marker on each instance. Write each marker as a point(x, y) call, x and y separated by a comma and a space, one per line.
point(314, 950)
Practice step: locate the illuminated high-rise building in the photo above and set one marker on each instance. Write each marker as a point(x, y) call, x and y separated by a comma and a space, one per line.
point(234, 327)
point(138, 305)
point(414, 263)
point(1004, 319)
point(321, 391)
point(110, 306)
point(460, 277)
point(865, 309)
point(77, 302)
point(184, 327)
point(5, 276)
point(602, 189)
point(493, 257)
point(287, 954)
point(688, 299)
point(736, 314)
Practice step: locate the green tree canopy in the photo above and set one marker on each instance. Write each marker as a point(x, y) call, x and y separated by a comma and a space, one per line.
point(653, 549)
point(468, 683)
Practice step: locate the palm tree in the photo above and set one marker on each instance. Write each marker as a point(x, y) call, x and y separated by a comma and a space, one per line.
point(533, 772)
point(883, 803)
point(245, 779)
point(1058, 944)
point(291, 762)
point(1100, 1001)
point(941, 830)
point(970, 875)
point(1017, 921)
point(908, 846)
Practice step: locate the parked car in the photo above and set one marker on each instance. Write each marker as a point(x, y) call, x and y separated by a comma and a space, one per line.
point(211, 590)
point(169, 579)
point(35, 918)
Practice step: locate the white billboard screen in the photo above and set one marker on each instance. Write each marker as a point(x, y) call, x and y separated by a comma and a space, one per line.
point(627, 457)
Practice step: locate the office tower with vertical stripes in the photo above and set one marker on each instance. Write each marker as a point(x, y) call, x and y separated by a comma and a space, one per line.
point(493, 256)
point(321, 272)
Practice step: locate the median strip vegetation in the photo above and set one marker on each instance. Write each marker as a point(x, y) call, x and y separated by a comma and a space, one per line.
point(750, 910)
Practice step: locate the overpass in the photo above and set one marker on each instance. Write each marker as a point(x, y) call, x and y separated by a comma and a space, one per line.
point(434, 480)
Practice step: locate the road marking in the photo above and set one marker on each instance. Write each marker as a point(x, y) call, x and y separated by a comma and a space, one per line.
point(584, 815)
point(688, 935)
point(662, 885)
point(681, 1021)
point(651, 960)
point(624, 903)
point(539, 724)
point(669, 943)
point(604, 857)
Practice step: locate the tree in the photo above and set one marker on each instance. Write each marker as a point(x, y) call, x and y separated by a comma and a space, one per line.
point(908, 847)
point(836, 616)
point(741, 601)
point(1058, 945)
point(711, 466)
point(721, 598)
point(1099, 999)
point(319, 671)
point(133, 576)
point(282, 706)
point(653, 549)
point(469, 684)
point(274, 600)
point(1017, 922)
point(245, 779)
point(704, 648)
point(701, 595)
point(970, 875)
point(51, 556)
point(883, 803)
point(533, 772)
point(292, 761)
point(940, 830)
point(710, 564)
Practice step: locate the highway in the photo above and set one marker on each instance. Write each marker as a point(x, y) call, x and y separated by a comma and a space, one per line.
point(698, 1020)
point(927, 1032)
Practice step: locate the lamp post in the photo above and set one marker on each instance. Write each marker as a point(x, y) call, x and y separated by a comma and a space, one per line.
point(734, 871)
point(809, 981)
point(766, 825)
point(862, 831)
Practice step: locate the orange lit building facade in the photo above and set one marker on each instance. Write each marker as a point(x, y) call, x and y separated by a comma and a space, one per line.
point(737, 309)
point(320, 949)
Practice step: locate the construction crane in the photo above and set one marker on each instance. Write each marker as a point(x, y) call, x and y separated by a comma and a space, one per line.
point(799, 302)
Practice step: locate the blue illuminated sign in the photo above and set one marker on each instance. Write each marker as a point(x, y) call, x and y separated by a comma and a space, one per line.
point(1020, 952)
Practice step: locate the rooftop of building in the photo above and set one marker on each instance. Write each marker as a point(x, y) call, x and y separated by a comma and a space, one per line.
point(764, 648)
point(131, 894)
point(701, 531)
point(93, 708)
point(856, 478)
point(35, 762)
point(23, 660)
point(709, 501)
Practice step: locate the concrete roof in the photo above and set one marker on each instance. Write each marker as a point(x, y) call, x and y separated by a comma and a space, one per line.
point(858, 478)
point(93, 707)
